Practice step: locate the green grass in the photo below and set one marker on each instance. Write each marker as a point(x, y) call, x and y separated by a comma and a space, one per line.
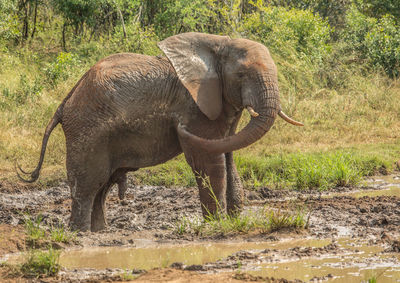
point(39, 263)
point(265, 221)
point(62, 235)
point(220, 223)
point(39, 235)
point(298, 170)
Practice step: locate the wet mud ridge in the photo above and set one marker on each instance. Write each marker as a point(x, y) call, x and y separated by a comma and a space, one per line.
point(346, 221)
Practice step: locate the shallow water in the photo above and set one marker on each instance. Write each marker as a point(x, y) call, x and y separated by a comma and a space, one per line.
point(359, 264)
point(386, 185)
point(355, 264)
point(165, 255)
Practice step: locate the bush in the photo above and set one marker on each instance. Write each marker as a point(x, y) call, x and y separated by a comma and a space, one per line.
point(376, 41)
point(383, 46)
point(59, 69)
point(278, 28)
point(357, 27)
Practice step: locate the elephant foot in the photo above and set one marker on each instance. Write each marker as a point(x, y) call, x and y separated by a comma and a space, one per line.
point(76, 225)
point(80, 214)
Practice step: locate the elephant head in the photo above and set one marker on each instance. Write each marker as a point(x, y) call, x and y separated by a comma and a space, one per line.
point(215, 68)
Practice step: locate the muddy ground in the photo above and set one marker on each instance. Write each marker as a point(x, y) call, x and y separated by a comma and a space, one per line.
point(151, 213)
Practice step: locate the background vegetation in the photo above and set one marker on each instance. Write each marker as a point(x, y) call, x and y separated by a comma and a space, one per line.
point(338, 61)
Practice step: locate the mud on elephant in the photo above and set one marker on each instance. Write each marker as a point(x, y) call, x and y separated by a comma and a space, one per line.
point(131, 111)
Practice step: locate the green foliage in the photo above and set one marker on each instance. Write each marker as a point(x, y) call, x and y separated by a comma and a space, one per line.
point(333, 11)
point(278, 28)
point(9, 24)
point(187, 15)
point(379, 8)
point(357, 27)
point(60, 68)
point(79, 12)
point(41, 263)
point(62, 235)
point(278, 220)
point(383, 46)
point(377, 41)
point(173, 173)
point(220, 223)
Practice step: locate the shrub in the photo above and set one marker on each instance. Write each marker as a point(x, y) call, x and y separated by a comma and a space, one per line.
point(60, 68)
point(383, 46)
point(357, 27)
point(277, 28)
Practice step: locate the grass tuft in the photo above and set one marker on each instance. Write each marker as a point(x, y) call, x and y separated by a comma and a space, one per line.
point(38, 235)
point(41, 263)
point(220, 223)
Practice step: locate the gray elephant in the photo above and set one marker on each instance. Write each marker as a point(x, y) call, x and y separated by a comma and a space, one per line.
point(131, 111)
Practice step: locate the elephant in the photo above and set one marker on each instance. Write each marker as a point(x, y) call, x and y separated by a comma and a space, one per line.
point(130, 111)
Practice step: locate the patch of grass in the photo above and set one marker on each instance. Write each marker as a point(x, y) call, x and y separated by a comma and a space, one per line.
point(37, 234)
point(301, 171)
point(266, 221)
point(278, 220)
point(128, 276)
point(62, 235)
point(220, 223)
point(33, 230)
point(39, 263)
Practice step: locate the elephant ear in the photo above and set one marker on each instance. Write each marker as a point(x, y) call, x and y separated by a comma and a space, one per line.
point(194, 57)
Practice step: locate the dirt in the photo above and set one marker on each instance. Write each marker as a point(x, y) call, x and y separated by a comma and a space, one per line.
point(148, 216)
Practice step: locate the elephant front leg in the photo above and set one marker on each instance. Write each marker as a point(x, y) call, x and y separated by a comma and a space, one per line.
point(234, 188)
point(210, 175)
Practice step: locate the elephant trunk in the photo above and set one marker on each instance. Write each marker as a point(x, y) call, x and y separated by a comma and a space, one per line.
point(264, 99)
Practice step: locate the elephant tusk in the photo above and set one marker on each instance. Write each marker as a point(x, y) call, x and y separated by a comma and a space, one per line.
point(289, 120)
point(252, 112)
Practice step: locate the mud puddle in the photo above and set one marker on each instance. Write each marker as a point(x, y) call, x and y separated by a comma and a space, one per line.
point(354, 263)
point(343, 260)
point(165, 255)
point(383, 185)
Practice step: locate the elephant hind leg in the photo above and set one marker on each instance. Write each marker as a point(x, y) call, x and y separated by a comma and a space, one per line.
point(98, 219)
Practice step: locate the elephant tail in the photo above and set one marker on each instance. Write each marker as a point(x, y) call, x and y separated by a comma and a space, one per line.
point(34, 175)
point(57, 118)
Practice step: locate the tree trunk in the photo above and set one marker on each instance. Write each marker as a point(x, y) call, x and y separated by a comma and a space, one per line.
point(64, 47)
point(34, 20)
point(122, 19)
point(25, 28)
